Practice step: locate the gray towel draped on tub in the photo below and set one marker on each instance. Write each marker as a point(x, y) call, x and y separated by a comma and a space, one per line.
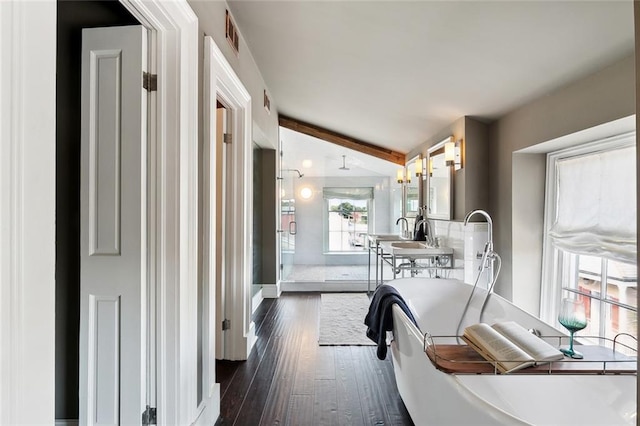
point(379, 319)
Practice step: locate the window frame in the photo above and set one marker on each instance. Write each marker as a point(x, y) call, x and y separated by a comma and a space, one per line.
point(325, 221)
point(552, 258)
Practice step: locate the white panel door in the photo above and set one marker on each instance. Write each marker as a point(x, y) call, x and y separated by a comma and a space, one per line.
point(113, 255)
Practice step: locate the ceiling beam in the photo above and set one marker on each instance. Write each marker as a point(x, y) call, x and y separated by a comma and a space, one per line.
point(342, 140)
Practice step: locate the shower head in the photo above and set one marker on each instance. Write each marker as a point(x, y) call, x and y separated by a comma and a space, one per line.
point(297, 171)
point(344, 166)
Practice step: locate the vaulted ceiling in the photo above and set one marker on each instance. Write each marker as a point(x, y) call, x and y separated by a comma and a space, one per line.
point(393, 73)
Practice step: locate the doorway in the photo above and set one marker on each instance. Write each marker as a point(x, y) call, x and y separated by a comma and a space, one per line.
point(331, 199)
point(235, 332)
point(71, 17)
point(172, 264)
point(33, 77)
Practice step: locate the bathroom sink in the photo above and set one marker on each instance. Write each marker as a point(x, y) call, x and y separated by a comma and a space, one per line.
point(414, 249)
point(376, 238)
point(409, 245)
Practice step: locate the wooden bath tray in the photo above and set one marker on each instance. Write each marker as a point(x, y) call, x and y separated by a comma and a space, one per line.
point(463, 359)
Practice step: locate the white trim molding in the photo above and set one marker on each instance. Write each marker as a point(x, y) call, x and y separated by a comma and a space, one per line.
point(324, 286)
point(27, 211)
point(256, 300)
point(271, 291)
point(239, 187)
point(67, 422)
point(173, 203)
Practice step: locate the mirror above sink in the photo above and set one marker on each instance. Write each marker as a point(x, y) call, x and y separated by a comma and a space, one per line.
point(438, 192)
point(411, 201)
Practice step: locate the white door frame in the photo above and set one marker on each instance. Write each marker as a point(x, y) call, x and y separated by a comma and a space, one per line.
point(223, 83)
point(173, 203)
point(27, 207)
point(27, 211)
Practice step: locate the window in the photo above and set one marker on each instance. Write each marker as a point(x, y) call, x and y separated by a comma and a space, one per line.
point(608, 290)
point(590, 241)
point(348, 212)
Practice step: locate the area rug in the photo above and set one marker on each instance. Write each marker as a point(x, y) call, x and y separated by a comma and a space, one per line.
point(342, 319)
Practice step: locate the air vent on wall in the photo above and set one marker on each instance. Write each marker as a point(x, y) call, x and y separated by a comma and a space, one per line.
point(267, 102)
point(232, 34)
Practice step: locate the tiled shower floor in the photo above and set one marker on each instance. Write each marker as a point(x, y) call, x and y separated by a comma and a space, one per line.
point(333, 273)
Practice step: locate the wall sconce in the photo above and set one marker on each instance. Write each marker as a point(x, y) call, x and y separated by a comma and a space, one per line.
point(420, 166)
point(430, 166)
point(453, 154)
point(400, 177)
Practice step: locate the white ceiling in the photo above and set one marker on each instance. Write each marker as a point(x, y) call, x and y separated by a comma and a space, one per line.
point(394, 73)
point(314, 157)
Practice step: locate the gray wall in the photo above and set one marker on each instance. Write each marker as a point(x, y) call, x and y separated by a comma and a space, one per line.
point(72, 17)
point(528, 179)
point(510, 184)
point(257, 218)
point(264, 217)
point(211, 19)
point(475, 173)
point(470, 184)
point(310, 219)
point(598, 98)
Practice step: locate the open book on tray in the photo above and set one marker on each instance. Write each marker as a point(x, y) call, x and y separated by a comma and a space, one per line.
point(509, 345)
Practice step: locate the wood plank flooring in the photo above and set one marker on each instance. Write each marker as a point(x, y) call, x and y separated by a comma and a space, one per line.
point(290, 380)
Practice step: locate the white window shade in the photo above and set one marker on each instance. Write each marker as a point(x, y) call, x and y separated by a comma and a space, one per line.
point(596, 204)
point(347, 193)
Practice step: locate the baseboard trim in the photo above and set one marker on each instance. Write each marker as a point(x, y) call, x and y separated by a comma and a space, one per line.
point(271, 291)
point(215, 401)
point(256, 300)
point(66, 422)
point(323, 286)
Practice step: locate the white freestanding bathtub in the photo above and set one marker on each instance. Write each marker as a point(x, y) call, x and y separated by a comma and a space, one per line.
point(436, 398)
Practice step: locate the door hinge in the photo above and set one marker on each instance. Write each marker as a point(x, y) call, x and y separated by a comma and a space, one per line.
point(226, 324)
point(149, 416)
point(281, 266)
point(228, 137)
point(149, 81)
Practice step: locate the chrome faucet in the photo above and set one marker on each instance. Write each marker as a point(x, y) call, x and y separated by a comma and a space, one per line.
point(488, 247)
point(488, 258)
point(405, 228)
point(427, 230)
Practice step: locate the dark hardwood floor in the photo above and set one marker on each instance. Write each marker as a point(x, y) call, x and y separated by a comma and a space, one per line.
point(290, 380)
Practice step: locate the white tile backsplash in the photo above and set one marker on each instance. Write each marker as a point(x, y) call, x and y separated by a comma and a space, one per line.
point(466, 242)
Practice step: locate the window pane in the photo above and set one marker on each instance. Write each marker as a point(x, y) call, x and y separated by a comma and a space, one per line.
point(348, 224)
point(622, 321)
point(589, 274)
point(622, 286)
point(622, 282)
point(610, 309)
point(614, 319)
point(592, 309)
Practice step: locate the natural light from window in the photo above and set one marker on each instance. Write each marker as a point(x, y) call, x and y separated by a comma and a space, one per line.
point(348, 212)
point(591, 236)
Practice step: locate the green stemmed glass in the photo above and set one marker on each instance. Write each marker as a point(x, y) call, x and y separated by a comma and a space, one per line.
point(573, 317)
